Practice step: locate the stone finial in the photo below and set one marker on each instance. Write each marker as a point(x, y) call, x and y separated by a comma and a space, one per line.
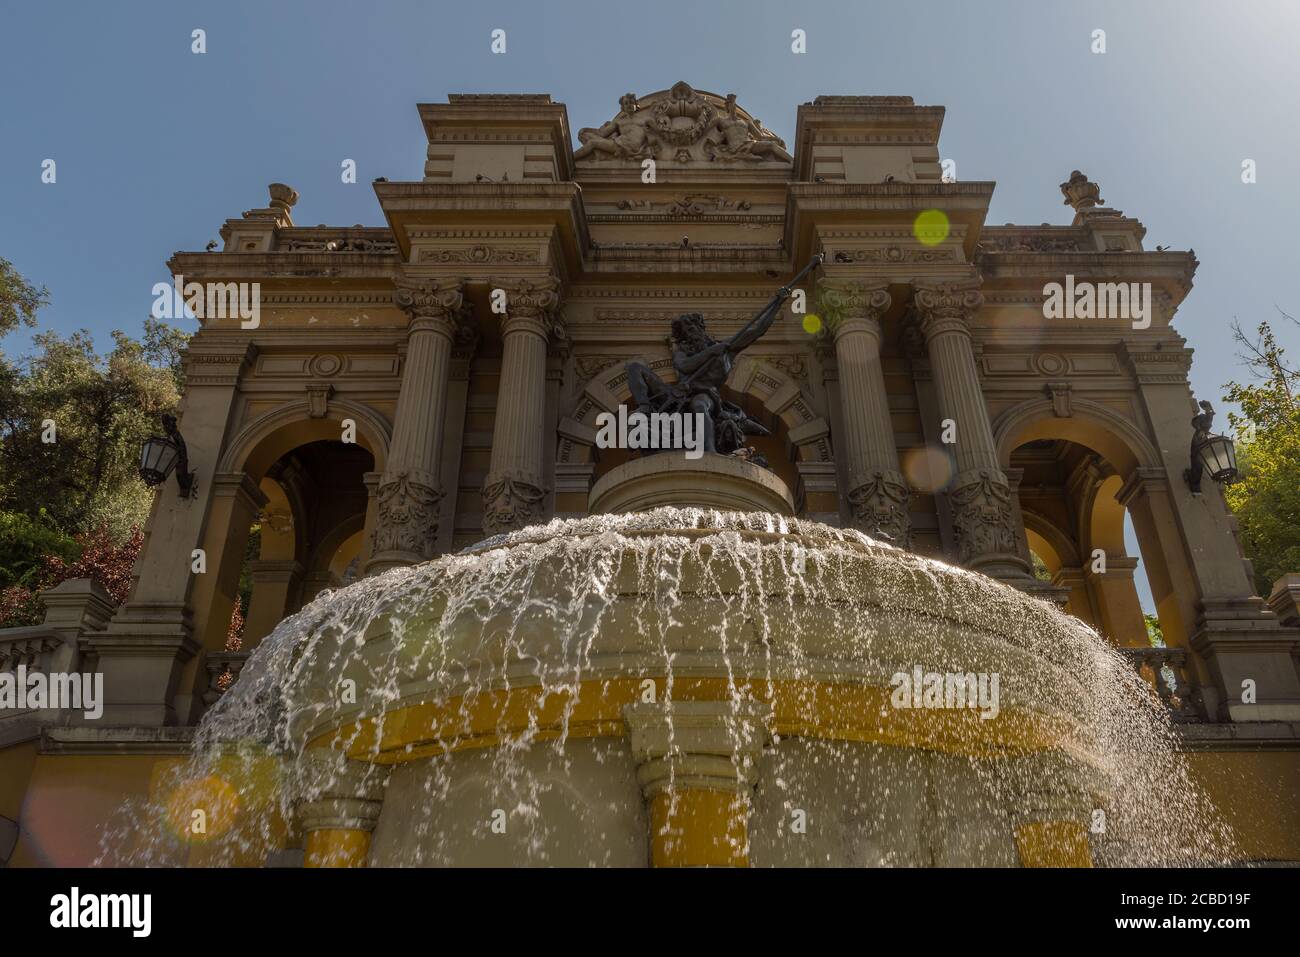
point(1081, 193)
point(283, 198)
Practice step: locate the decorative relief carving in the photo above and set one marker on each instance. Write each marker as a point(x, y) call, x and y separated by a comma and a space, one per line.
point(684, 125)
point(981, 514)
point(1059, 393)
point(318, 398)
point(687, 206)
point(408, 513)
point(879, 507)
point(480, 255)
point(511, 500)
point(587, 367)
point(339, 246)
point(325, 365)
point(1028, 244)
point(894, 254)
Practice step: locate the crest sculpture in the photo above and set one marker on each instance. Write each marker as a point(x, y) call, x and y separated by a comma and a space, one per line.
point(684, 125)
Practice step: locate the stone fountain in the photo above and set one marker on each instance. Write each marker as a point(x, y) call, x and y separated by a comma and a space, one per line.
point(688, 676)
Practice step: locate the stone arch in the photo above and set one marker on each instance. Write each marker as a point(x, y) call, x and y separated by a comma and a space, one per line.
point(331, 541)
point(261, 442)
point(1089, 424)
point(807, 432)
point(1064, 551)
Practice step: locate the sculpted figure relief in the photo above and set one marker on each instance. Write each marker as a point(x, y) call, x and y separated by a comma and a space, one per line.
point(682, 124)
point(625, 136)
point(731, 136)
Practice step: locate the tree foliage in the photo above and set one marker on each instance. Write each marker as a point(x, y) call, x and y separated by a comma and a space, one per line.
point(97, 555)
point(19, 299)
point(98, 409)
point(1266, 497)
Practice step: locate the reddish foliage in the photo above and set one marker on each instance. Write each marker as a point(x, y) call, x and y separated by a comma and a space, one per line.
point(102, 560)
point(108, 563)
point(235, 633)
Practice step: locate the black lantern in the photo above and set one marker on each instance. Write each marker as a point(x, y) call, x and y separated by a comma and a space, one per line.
point(159, 457)
point(1215, 454)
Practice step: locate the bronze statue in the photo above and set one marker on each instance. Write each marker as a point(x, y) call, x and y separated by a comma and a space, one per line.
point(702, 365)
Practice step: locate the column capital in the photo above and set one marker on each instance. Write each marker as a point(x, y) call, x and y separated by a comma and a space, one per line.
point(946, 306)
point(853, 305)
point(530, 305)
point(241, 486)
point(436, 305)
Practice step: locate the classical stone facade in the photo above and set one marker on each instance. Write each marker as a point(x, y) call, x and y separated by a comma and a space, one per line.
point(415, 387)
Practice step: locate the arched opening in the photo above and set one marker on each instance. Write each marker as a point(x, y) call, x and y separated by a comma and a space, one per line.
point(308, 536)
point(1075, 524)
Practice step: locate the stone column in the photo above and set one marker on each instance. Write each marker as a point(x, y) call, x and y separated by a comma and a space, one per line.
point(697, 766)
point(338, 806)
point(1117, 601)
point(877, 491)
point(274, 580)
point(514, 489)
point(983, 517)
point(410, 493)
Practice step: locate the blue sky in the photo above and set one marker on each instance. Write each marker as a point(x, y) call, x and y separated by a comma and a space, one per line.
point(157, 146)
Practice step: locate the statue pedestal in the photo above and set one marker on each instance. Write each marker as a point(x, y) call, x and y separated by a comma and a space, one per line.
point(716, 481)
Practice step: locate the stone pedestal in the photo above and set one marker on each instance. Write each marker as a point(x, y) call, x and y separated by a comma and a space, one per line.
point(724, 482)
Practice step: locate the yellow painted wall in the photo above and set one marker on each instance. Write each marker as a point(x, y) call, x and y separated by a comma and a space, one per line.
point(1258, 793)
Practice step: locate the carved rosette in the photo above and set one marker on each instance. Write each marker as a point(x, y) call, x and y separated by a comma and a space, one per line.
point(409, 502)
point(981, 514)
point(841, 300)
point(947, 306)
point(511, 500)
point(879, 508)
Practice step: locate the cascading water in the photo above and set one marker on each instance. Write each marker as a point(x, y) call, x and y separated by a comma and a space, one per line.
point(495, 690)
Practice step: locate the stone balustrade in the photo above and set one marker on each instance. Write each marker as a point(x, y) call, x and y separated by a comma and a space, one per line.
point(1166, 669)
point(223, 670)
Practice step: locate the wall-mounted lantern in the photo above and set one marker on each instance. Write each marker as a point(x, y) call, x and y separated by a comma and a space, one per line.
point(1215, 454)
point(159, 457)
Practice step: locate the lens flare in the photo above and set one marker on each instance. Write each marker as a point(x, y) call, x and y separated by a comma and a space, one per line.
point(931, 227)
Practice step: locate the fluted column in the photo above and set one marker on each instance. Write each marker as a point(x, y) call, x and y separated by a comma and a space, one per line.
point(410, 493)
point(982, 515)
point(514, 489)
point(877, 492)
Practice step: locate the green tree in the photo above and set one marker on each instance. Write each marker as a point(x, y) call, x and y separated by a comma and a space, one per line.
point(19, 299)
point(100, 409)
point(1266, 497)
